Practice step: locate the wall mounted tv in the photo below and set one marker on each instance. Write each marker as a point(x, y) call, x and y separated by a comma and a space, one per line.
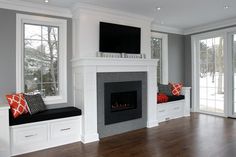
point(119, 38)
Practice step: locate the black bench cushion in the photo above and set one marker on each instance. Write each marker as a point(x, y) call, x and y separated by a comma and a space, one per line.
point(175, 98)
point(45, 115)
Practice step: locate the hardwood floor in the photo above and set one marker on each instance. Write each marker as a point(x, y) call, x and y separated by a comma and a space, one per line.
point(196, 136)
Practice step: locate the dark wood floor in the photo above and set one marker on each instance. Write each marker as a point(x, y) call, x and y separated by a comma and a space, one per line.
point(197, 136)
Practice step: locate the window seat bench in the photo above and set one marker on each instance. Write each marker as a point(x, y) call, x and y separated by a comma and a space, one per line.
point(176, 107)
point(175, 98)
point(51, 128)
point(49, 114)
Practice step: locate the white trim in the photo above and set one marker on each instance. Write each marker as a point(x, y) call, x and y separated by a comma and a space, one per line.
point(167, 29)
point(164, 56)
point(103, 11)
point(230, 82)
point(35, 8)
point(194, 74)
point(211, 26)
point(152, 124)
point(228, 97)
point(227, 73)
point(108, 62)
point(62, 24)
point(19, 55)
point(90, 138)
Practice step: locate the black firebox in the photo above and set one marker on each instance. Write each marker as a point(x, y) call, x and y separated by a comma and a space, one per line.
point(123, 101)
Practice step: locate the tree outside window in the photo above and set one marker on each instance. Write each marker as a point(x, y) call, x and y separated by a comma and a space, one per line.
point(156, 50)
point(41, 59)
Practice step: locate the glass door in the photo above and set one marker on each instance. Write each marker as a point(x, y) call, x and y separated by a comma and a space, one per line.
point(211, 75)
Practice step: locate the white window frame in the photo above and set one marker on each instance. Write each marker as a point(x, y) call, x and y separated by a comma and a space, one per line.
point(164, 56)
point(228, 68)
point(21, 19)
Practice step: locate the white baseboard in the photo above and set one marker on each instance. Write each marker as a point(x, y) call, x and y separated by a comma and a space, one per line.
point(152, 124)
point(187, 115)
point(88, 138)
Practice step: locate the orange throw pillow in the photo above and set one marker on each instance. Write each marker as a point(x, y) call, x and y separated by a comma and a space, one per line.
point(17, 104)
point(176, 88)
point(161, 98)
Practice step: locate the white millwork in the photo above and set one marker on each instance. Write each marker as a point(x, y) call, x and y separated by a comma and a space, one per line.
point(85, 88)
point(86, 29)
point(86, 65)
point(175, 109)
point(4, 129)
point(151, 94)
point(186, 93)
point(36, 136)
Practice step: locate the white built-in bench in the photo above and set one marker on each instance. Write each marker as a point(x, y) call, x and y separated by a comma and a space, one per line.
point(4, 131)
point(48, 129)
point(175, 109)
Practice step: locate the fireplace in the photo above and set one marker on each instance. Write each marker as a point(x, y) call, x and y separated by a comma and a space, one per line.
point(123, 101)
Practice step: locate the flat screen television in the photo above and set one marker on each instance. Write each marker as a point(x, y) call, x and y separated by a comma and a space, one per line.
point(116, 38)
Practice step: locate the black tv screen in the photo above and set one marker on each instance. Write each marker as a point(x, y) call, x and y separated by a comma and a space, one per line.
point(119, 38)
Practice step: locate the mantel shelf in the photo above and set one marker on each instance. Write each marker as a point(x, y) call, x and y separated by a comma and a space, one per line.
point(99, 61)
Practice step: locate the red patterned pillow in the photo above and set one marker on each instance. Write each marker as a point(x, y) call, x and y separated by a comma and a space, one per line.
point(176, 88)
point(161, 98)
point(17, 104)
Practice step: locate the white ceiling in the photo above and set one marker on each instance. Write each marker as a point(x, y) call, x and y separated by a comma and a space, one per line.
point(180, 14)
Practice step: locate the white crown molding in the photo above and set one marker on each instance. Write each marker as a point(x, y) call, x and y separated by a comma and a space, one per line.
point(94, 9)
point(211, 26)
point(166, 29)
point(35, 8)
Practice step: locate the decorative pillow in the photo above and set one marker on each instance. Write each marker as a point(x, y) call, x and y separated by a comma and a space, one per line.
point(161, 98)
point(176, 88)
point(17, 104)
point(166, 89)
point(35, 103)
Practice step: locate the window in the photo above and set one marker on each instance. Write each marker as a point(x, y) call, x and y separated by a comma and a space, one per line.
point(213, 72)
point(159, 50)
point(41, 57)
point(156, 54)
point(211, 75)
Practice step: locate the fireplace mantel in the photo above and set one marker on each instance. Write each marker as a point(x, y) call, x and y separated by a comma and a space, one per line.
point(99, 61)
point(85, 88)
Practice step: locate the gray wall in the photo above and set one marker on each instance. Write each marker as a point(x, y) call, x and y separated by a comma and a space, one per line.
point(176, 58)
point(188, 61)
point(8, 55)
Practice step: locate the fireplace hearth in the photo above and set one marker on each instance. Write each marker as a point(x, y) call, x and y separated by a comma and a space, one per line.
point(123, 101)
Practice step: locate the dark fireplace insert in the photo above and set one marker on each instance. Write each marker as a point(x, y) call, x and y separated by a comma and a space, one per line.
point(123, 101)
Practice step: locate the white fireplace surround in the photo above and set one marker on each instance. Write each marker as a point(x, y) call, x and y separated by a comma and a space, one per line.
point(85, 88)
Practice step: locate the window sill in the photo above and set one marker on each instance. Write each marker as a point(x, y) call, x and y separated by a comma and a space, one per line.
point(54, 100)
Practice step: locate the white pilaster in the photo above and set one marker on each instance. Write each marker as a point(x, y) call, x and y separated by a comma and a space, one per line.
point(151, 98)
point(86, 99)
point(186, 93)
point(4, 135)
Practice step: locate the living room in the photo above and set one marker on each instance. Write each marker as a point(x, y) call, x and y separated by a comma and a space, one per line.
point(117, 78)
